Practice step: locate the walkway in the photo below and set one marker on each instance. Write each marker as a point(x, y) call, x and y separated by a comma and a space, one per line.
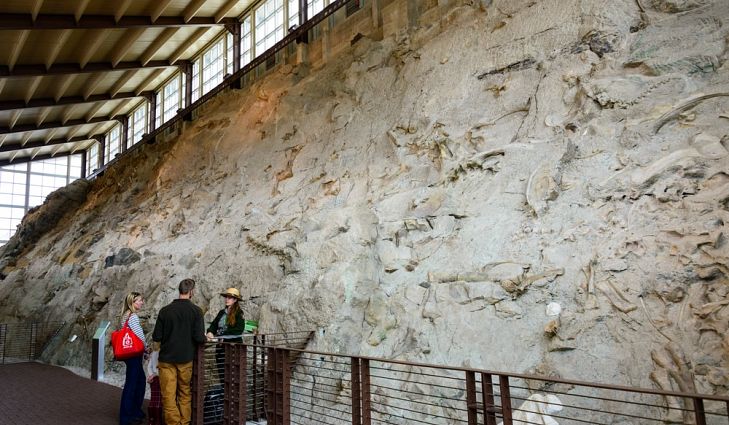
point(36, 393)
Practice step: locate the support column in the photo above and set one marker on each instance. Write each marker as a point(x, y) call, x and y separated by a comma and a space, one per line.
point(84, 154)
point(303, 17)
point(377, 20)
point(186, 71)
point(152, 99)
point(124, 134)
point(101, 139)
point(235, 30)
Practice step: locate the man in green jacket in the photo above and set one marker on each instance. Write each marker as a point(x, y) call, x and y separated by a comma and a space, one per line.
point(179, 330)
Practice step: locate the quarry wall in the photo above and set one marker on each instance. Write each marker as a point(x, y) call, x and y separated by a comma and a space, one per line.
point(530, 186)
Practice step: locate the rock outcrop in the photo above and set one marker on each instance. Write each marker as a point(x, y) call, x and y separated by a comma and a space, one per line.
point(426, 196)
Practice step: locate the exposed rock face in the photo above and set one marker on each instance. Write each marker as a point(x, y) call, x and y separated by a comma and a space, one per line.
point(426, 197)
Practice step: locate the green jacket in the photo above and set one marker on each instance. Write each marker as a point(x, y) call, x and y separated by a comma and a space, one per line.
point(237, 329)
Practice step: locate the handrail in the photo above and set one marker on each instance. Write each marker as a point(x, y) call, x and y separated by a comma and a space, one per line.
point(26, 341)
point(184, 114)
point(285, 384)
point(511, 375)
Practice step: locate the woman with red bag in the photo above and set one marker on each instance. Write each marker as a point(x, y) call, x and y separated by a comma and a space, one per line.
point(130, 410)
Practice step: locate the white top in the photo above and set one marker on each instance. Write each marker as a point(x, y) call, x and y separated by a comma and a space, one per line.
point(135, 326)
point(152, 364)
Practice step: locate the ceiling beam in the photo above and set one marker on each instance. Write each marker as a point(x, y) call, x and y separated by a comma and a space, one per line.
point(224, 9)
point(93, 39)
point(25, 21)
point(75, 68)
point(159, 9)
point(58, 43)
point(49, 125)
point(62, 85)
point(7, 105)
point(127, 41)
point(123, 6)
point(32, 87)
point(192, 9)
point(94, 110)
point(80, 9)
point(17, 48)
point(143, 87)
point(91, 84)
point(157, 44)
point(186, 45)
point(26, 159)
point(121, 82)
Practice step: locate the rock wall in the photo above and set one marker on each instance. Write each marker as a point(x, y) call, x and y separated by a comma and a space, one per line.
point(427, 192)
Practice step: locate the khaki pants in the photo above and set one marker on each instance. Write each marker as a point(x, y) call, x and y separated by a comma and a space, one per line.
point(174, 381)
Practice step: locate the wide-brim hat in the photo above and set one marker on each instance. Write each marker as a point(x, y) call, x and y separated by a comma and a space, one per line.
point(231, 292)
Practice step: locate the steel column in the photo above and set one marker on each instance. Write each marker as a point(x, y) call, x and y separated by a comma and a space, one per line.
point(356, 392)
point(487, 398)
point(366, 394)
point(186, 71)
point(505, 399)
point(101, 139)
point(124, 134)
point(152, 99)
point(84, 154)
point(242, 357)
point(471, 406)
point(699, 412)
point(198, 386)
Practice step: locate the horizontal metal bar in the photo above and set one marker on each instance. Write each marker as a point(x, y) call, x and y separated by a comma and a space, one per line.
point(36, 70)
point(25, 159)
point(25, 21)
point(58, 124)
point(521, 376)
point(40, 144)
point(7, 105)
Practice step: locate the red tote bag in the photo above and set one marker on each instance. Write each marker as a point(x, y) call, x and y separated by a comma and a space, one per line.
point(126, 344)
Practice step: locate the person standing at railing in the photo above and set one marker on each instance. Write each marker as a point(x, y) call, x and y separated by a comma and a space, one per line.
point(179, 330)
point(228, 326)
point(135, 384)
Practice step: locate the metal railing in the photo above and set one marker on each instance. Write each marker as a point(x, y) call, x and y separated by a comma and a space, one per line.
point(22, 342)
point(287, 385)
point(229, 379)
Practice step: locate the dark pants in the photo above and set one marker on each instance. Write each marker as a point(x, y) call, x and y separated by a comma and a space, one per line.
point(132, 398)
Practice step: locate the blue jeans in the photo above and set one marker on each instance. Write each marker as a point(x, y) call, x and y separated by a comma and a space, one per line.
point(133, 393)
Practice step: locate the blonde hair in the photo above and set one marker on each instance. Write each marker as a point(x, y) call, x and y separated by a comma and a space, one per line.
point(129, 303)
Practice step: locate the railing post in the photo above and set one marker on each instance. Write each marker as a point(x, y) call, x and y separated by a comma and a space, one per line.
point(699, 411)
point(505, 399)
point(3, 338)
point(471, 406)
point(242, 356)
point(278, 387)
point(487, 397)
point(32, 340)
point(356, 392)
point(271, 388)
point(366, 395)
point(198, 385)
point(254, 370)
point(97, 351)
point(229, 391)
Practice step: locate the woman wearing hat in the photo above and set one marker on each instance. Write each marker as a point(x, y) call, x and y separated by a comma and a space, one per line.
point(228, 323)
